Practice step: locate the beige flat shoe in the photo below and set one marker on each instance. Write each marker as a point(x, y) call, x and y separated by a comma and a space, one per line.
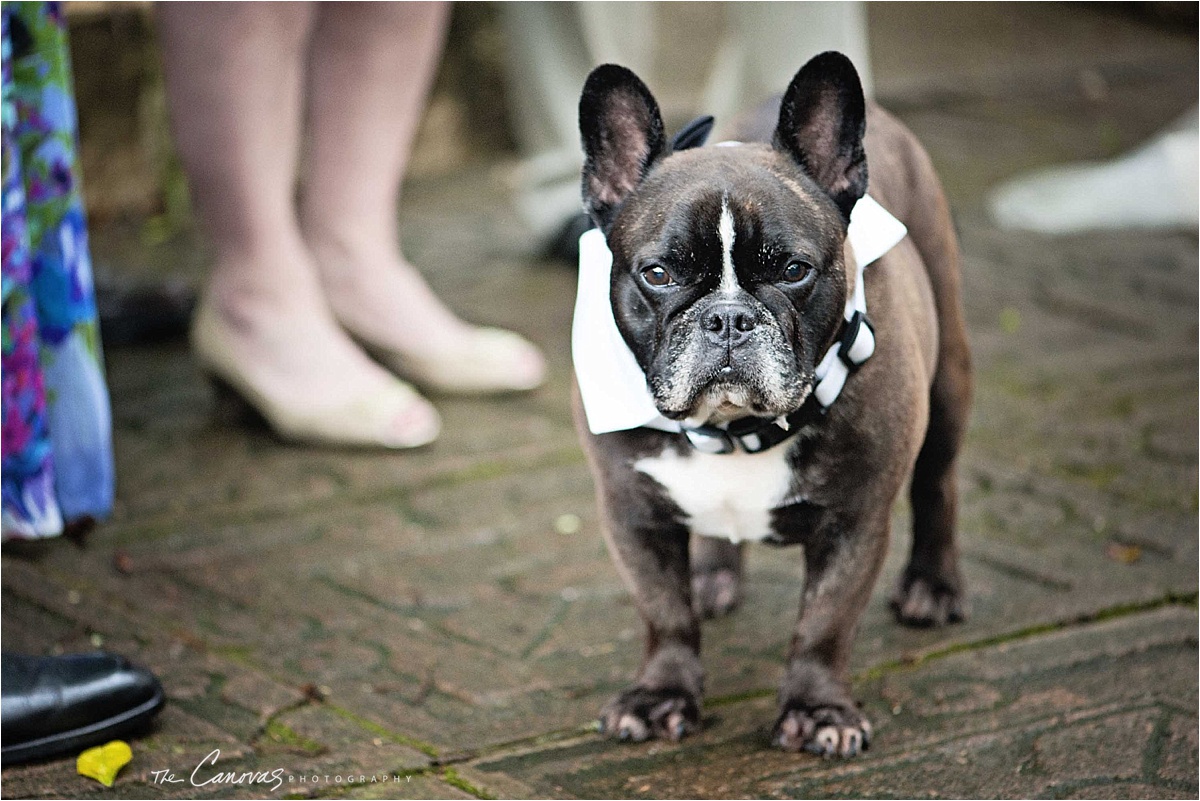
point(395, 417)
point(491, 361)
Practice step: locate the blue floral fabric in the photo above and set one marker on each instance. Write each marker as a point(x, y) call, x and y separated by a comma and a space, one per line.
point(57, 441)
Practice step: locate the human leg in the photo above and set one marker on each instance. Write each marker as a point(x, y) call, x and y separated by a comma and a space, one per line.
point(552, 47)
point(264, 325)
point(371, 68)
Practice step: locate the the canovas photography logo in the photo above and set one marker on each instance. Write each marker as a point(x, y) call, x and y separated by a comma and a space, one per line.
point(207, 773)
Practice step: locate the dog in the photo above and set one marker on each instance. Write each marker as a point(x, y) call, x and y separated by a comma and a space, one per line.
point(734, 288)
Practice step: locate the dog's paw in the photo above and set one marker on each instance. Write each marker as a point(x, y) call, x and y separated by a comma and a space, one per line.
point(640, 713)
point(923, 602)
point(825, 731)
point(716, 592)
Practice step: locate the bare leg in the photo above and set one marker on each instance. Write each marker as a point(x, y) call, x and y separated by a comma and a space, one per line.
point(372, 65)
point(234, 79)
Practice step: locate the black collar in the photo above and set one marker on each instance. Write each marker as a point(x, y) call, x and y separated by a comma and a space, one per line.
point(754, 434)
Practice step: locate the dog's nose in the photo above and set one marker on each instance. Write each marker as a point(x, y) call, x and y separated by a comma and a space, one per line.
point(728, 324)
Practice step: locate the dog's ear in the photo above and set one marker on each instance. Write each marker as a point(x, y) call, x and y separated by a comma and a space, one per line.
point(821, 124)
point(622, 137)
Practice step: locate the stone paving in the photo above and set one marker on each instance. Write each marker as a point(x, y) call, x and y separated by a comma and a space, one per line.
point(446, 623)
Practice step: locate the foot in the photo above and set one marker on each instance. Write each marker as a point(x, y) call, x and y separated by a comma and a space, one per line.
point(817, 714)
point(822, 730)
point(665, 702)
point(640, 713)
point(924, 600)
point(60, 704)
point(285, 354)
point(383, 301)
point(1150, 187)
point(563, 246)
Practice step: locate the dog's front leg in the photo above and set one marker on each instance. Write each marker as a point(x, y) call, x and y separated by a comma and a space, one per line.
point(816, 711)
point(665, 701)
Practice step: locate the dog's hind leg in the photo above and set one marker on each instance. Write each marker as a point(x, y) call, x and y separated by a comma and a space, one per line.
point(930, 591)
point(716, 575)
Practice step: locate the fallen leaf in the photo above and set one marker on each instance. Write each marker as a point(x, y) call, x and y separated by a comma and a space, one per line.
point(1125, 554)
point(313, 693)
point(104, 762)
point(122, 561)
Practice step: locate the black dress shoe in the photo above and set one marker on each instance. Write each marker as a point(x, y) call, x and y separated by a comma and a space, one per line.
point(53, 705)
point(143, 314)
point(563, 247)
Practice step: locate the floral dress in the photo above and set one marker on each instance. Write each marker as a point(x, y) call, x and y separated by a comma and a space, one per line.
point(57, 431)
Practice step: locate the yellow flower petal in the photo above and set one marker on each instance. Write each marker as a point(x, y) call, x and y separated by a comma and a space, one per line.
point(103, 762)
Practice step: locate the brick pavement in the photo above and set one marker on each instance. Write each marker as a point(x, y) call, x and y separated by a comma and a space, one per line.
point(435, 618)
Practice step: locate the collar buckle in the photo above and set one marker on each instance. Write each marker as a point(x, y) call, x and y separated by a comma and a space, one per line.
point(756, 434)
point(710, 439)
point(748, 434)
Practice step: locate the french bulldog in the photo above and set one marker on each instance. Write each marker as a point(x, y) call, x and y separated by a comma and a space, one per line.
point(730, 281)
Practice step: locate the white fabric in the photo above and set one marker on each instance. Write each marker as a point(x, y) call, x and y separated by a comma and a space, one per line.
point(612, 384)
point(1152, 187)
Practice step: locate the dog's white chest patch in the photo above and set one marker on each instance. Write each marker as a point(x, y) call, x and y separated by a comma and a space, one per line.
point(723, 495)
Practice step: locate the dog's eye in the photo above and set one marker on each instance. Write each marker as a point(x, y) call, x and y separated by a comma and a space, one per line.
point(656, 275)
point(796, 271)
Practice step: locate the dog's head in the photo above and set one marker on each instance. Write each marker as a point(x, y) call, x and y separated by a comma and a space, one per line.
point(728, 278)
